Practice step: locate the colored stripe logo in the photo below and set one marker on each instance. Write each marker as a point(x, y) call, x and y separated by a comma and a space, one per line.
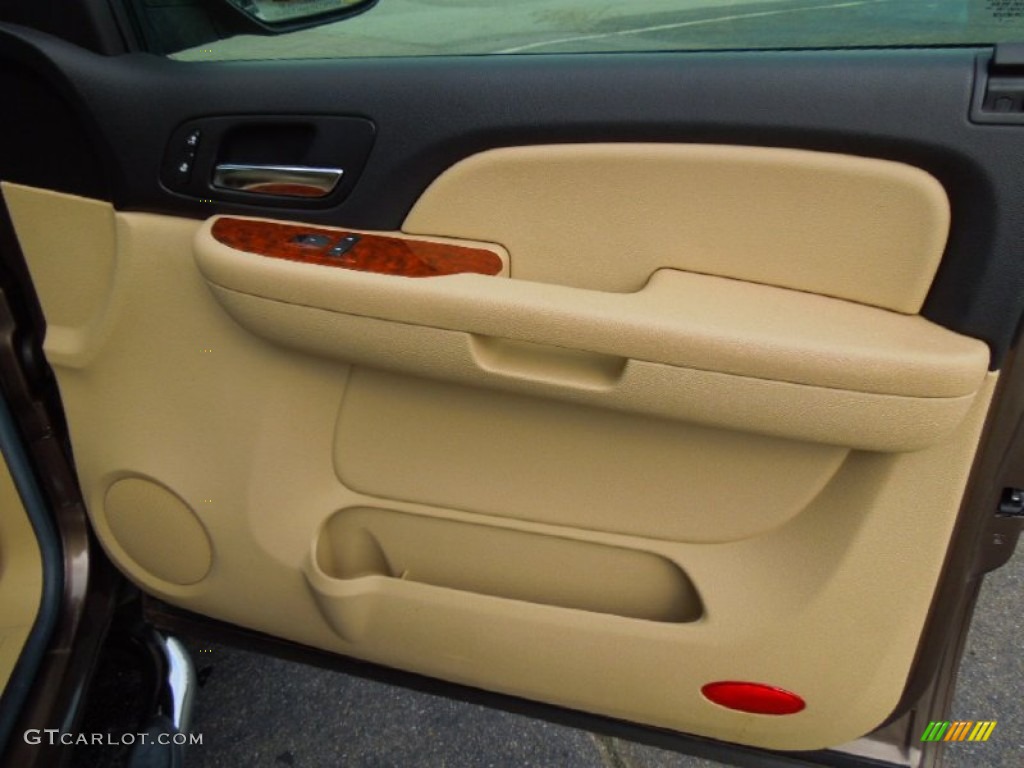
point(959, 730)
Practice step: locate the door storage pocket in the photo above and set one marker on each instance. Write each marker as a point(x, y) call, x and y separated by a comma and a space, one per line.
point(364, 555)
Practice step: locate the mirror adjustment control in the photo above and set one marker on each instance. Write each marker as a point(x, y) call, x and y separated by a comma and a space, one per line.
point(344, 245)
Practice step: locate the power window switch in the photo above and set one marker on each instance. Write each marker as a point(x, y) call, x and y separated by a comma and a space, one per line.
point(310, 240)
point(344, 245)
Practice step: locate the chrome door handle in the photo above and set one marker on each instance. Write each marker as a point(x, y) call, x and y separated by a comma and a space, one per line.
point(277, 180)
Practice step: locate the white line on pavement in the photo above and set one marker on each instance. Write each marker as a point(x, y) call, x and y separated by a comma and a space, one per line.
point(681, 24)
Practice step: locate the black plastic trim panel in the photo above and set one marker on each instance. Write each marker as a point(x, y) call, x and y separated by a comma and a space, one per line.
point(907, 105)
point(303, 140)
point(92, 24)
point(43, 140)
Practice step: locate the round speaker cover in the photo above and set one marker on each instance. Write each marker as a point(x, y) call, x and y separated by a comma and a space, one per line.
point(158, 530)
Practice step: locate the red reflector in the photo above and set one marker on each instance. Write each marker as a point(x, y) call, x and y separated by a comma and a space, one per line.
point(753, 697)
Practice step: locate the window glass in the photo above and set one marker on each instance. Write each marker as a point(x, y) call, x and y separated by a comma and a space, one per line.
point(445, 27)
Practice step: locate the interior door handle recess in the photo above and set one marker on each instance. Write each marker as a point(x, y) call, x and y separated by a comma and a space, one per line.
point(277, 180)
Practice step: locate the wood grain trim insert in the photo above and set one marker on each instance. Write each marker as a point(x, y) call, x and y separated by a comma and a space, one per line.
point(372, 253)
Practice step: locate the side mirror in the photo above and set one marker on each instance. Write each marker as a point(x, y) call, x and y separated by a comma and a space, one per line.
point(274, 16)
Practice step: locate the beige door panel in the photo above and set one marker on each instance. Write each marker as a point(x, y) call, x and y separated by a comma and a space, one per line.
point(21, 575)
point(606, 216)
point(570, 464)
point(508, 517)
point(686, 346)
point(677, 318)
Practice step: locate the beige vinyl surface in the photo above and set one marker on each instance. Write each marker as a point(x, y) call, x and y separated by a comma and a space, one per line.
point(677, 318)
point(606, 216)
point(367, 544)
point(686, 346)
point(570, 464)
point(273, 443)
point(155, 527)
point(21, 575)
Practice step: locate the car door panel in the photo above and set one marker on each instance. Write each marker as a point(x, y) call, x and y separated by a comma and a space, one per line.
point(722, 398)
point(251, 478)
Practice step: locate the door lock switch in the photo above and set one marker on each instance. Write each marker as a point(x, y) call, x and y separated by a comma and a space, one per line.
point(183, 170)
point(185, 157)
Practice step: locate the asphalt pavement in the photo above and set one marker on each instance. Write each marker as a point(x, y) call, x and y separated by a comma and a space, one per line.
point(255, 711)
